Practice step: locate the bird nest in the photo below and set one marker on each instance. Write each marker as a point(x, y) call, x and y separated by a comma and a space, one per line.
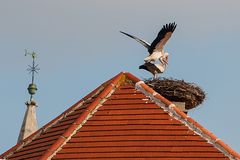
point(178, 91)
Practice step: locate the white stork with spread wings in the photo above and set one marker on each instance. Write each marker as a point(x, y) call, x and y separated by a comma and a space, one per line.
point(155, 50)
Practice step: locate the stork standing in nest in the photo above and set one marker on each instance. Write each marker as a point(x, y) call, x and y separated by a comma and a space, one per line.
point(156, 69)
point(155, 49)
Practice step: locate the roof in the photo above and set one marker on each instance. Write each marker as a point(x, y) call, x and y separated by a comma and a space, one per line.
point(122, 119)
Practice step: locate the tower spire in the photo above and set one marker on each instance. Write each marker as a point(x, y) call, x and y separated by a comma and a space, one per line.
point(29, 124)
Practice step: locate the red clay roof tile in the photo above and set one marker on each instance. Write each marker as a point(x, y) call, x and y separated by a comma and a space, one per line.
point(122, 119)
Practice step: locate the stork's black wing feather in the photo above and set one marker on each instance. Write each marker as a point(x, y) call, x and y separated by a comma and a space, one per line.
point(144, 43)
point(162, 37)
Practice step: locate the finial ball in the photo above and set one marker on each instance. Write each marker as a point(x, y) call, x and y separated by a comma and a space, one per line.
point(32, 88)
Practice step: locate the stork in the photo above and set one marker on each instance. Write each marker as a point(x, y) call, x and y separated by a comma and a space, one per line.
point(155, 49)
point(156, 69)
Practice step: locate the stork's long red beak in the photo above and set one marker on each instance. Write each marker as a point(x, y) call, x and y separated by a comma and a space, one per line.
point(164, 60)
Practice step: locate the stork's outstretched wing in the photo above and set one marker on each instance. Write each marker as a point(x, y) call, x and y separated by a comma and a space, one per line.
point(162, 37)
point(144, 43)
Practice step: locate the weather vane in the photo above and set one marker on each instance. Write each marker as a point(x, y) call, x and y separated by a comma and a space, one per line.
point(32, 88)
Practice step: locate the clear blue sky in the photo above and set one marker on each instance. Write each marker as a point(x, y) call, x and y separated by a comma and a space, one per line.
point(80, 47)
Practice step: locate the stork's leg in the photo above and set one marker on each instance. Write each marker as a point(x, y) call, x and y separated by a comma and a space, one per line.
point(155, 76)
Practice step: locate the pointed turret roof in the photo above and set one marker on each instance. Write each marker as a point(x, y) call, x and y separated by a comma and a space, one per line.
point(29, 124)
point(122, 119)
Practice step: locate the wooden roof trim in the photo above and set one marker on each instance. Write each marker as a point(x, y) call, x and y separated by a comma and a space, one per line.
point(185, 119)
point(80, 121)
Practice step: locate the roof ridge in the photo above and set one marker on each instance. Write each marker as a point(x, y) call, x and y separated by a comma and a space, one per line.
point(36, 134)
point(81, 120)
point(176, 113)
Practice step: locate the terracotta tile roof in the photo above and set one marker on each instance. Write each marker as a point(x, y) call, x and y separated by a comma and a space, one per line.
point(122, 119)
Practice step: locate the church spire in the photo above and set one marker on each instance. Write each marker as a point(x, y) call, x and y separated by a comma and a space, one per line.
point(29, 124)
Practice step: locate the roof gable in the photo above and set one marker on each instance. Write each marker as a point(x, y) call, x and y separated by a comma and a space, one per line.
point(123, 118)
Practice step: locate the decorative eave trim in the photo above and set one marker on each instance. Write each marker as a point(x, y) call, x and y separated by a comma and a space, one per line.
point(176, 113)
